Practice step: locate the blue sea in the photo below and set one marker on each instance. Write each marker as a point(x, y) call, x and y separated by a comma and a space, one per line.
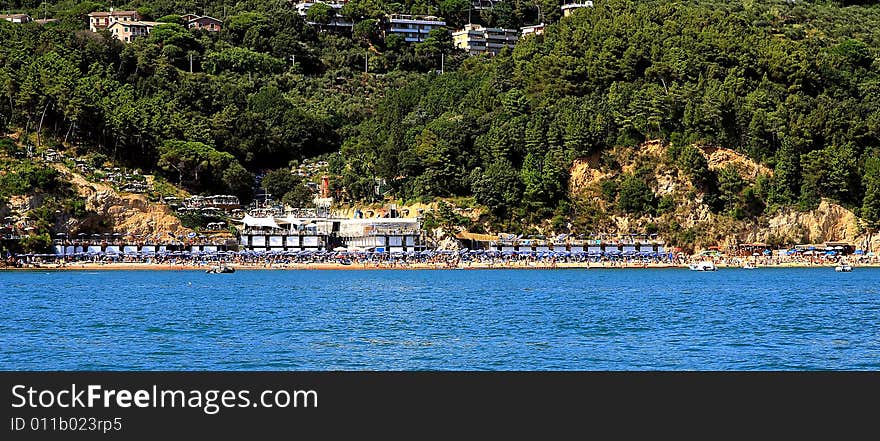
point(567, 319)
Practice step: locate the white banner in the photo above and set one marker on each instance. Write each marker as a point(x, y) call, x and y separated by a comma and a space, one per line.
point(310, 241)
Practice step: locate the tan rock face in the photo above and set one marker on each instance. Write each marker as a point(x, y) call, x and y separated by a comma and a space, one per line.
point(827, 223)
point(449, 243)
point(128, 213)
point(718, 158)
point(583, 174)
point(134, 214)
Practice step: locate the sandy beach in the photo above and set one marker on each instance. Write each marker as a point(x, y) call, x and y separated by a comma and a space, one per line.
point(99, 266)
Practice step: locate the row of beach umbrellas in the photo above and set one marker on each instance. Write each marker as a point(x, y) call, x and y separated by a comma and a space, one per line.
point(323, 253)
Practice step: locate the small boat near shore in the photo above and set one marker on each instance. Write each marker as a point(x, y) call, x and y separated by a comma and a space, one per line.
point(221, 269)
point(749, 265)
point(703, 266)
point(843, 268)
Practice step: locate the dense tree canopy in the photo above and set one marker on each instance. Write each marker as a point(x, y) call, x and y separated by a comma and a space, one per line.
point(793, 85)
point(790, 85)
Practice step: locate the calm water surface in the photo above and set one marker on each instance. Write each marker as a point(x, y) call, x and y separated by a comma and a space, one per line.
point(665, 319)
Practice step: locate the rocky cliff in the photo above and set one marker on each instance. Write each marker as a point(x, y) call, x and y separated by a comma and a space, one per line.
point(829, 222)
point(129, 214)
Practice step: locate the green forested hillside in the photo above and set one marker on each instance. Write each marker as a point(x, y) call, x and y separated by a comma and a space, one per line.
point(794, 85)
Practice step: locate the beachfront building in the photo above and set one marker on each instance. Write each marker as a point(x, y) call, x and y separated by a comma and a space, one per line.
point(537, 29)
point(127, 31)
point(413, 28)
point(298, 233)
point(286, 233)
point(477, 40)
point(16, 18)
point(569, 8)
point(382, 234)
point(98, 21)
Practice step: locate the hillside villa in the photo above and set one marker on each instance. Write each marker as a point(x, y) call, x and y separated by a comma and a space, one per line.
point(98, 21)
point(203, 22)
point(126, 31)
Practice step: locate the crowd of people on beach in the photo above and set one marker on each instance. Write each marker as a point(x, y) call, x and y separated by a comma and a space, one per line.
point(282, 259)
point(426, 259)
